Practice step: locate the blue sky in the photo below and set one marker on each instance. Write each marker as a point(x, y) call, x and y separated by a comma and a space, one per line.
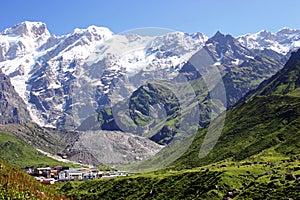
point(208, 16)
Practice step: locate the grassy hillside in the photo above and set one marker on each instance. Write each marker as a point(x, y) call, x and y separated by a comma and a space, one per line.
point(16, 184)
point(237, 180)
point(20, 154)
point(260, 124)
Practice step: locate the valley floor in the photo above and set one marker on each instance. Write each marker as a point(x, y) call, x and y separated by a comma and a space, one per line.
point(278, 179)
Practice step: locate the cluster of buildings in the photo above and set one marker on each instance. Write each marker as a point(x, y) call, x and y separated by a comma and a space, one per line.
point(48, 175)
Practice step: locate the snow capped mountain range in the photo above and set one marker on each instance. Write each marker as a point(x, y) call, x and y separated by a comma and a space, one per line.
point(282, 41)
point(55, 74)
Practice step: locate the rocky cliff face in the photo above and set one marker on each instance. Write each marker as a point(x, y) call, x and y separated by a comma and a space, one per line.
point(12, 107)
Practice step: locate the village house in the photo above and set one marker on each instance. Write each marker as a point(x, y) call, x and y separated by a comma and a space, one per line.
point(48, 175)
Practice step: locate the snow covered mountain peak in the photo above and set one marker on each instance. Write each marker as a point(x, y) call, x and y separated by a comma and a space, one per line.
point(22, 39)
point(94, 30)
point(264, 33)
point(178, 43)
point(33, 30)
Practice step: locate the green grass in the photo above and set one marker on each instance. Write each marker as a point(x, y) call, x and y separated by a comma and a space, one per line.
point(179, 185)
point(246, 180)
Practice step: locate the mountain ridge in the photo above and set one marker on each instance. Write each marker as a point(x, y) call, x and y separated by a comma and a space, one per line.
point(92, 66)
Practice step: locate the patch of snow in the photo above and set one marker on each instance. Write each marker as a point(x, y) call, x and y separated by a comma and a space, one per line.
point(59, 107)
point(296, 44)
point(236, 62)
point(35, 116)
point(54, 85)
point(251, 57)
point(217, 63)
